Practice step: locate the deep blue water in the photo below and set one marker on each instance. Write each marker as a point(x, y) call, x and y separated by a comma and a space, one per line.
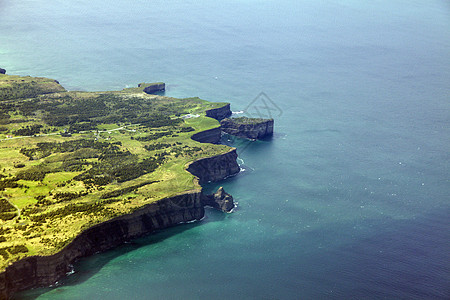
point(349, 200)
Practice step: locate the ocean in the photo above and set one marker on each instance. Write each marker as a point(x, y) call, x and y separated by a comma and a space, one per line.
point(348, 200)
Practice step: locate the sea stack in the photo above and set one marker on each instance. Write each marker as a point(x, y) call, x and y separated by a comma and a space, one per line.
point(151, 88)
point(249, 128)
point(220, 200)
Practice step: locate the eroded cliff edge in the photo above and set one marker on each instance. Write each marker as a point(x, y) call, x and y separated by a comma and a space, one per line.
point(219, 113)
point(208, 136)
point(249, 128)
point(38, 271)
point(45, 270)
point(215, 168)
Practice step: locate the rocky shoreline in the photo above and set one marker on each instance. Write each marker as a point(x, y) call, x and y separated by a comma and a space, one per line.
point(37, 271)
point(249, 128)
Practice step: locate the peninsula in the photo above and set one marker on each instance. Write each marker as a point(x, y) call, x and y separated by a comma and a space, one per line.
point(83, 172)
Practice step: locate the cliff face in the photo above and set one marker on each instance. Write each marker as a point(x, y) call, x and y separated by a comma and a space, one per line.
point(251, 130)
point(153, 87)
point(38, 271)
point(219, 113)
point(208, 136)
point(215, 168)
point(220, 200)
point(45, 270)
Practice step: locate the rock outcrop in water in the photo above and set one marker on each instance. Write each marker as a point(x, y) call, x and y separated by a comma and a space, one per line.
point(220, 200)
point(248, 127)
point(2, 71)
point(151, 88)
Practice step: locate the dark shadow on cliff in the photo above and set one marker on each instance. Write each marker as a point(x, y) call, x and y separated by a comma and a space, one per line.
point(87, 267)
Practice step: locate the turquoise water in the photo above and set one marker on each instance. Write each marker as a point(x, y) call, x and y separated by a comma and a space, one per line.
point(349, 200)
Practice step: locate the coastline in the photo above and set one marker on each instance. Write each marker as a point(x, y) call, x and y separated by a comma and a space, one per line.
point(188, 206)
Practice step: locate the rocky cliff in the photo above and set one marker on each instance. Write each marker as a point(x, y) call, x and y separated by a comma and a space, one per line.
point(220, 200)
point(219, 113)
point(247, 127)
point(208, 136)
point(38, 271)
point(45, 270)
point(151, 88)
point(215, 168)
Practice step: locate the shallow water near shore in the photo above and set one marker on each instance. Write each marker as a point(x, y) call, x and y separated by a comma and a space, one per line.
point(348, 200)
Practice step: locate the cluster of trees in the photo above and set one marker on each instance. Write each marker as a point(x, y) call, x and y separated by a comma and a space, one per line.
point(6, 216)
point(4, 115)
point(144, 107)
point(123, 191)
point(34, 173)
point(67, 196)
point(42, 201)
point(72, 111)
point(174, 148)
point(157, 146)
point(72, 164)
point(12, 250)
point(160, 134)
point(4, 253)
point(17, 249)
point(20, 90)
point(2, 232)
point(156, 120)
point(9, 183)
point(28, 107)
point(154, 136)
point(87, 126)
point(28, 130)
point(103, 108)
point(32, 209)
point(7, 211)
point(96, 208)
point(185, 150)
point(46, 148)
point(5, 206)
point(118, 165)
point(186, 129)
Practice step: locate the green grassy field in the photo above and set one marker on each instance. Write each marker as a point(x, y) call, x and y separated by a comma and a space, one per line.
point(69, 160)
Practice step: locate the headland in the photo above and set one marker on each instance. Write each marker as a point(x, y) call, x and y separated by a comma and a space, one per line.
point(83, 172)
